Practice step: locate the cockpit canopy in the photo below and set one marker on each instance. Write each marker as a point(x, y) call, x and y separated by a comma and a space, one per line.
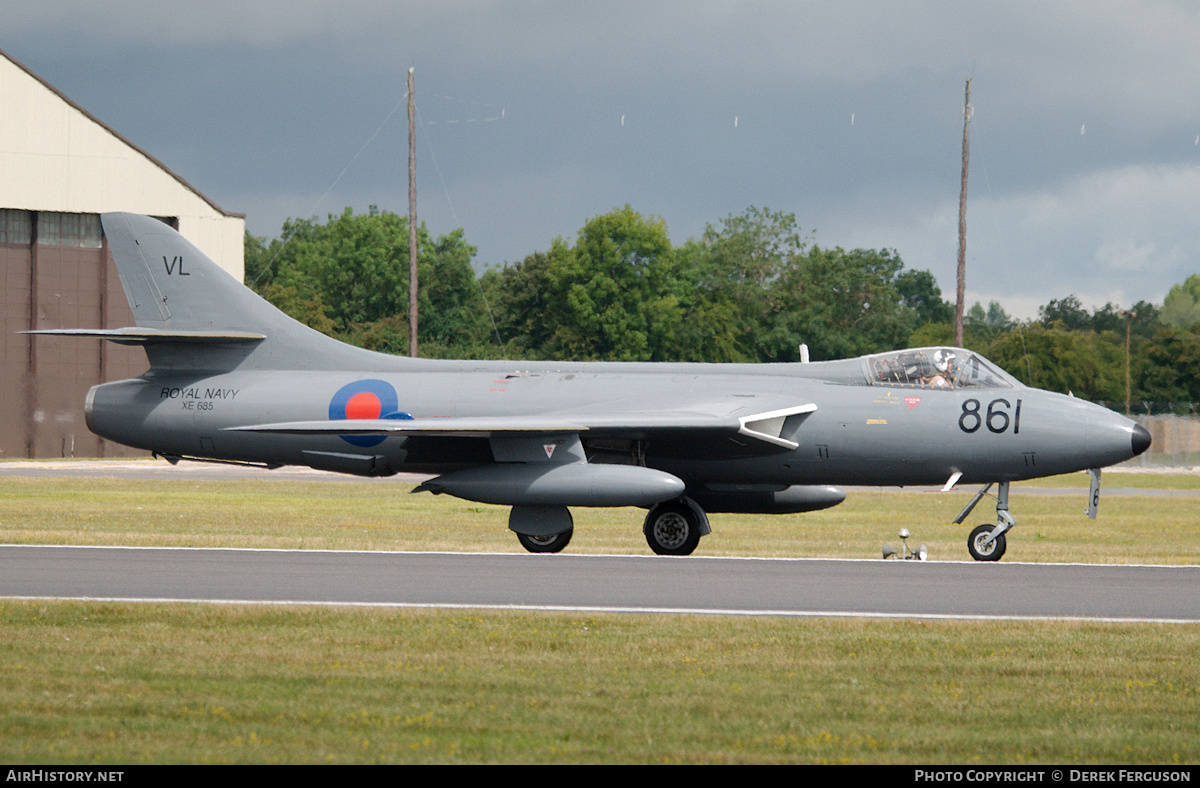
point(935, 368)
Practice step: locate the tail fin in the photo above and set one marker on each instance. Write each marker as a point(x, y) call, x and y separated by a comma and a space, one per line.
point(192, 315)
point(171, 285)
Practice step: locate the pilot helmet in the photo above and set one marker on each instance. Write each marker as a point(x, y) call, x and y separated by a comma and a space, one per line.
point(943, 360)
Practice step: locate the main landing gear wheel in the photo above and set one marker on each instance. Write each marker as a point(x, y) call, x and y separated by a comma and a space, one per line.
point(989, 552)
point(672, 529)
point(545, 544)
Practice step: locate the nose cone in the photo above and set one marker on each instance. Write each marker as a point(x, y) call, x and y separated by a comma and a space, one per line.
point(1141, 439)
point(1113, 438)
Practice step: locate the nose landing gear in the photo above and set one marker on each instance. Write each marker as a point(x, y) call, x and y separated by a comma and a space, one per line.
point(987, 542)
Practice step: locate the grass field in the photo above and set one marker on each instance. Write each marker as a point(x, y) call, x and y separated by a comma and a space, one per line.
point(343, 515)
point(123, 684)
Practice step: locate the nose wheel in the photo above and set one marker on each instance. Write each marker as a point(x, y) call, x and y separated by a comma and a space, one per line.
point(987, 542)
point(984, 546)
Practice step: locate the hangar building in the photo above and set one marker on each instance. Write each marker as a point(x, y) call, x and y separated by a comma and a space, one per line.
point(60, 168)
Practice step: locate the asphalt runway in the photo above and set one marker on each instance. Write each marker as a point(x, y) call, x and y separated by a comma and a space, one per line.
point(635, 584)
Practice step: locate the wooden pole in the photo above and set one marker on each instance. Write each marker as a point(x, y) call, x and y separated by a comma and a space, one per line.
point(1129, 316)
point(962, 226)
point(412, 222)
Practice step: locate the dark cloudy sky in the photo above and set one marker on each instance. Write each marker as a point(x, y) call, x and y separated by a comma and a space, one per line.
point(536, 116)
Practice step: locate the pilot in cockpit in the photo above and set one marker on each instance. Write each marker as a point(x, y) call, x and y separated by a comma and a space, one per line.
point(944, 369)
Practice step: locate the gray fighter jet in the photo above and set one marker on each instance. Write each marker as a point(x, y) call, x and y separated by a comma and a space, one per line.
point(233, 379)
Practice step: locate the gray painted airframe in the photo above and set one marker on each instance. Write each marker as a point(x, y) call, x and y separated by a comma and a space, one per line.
point(233, 379)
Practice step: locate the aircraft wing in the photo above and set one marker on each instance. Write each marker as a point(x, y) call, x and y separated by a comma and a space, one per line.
point(765, 426)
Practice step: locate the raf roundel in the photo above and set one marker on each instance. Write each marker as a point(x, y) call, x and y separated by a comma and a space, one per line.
point(365, 399)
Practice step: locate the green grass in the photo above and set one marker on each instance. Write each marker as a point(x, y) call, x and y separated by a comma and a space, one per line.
point(124, 684)
point(1142, 480)
point(357, 515)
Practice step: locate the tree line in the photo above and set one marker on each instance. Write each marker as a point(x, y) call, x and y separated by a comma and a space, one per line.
point(752, 288)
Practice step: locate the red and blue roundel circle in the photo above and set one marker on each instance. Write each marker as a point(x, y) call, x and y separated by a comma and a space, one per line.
point(365, 399)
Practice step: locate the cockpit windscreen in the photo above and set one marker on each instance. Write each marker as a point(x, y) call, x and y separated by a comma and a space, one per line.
point(935, 368)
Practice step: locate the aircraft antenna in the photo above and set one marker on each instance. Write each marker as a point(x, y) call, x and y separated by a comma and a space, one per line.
point(962, 225)
point(412, 222)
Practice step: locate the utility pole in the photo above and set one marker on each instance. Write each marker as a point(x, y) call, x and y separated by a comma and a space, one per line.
point(412, 221)
point(962, 225)
point(1129, 316)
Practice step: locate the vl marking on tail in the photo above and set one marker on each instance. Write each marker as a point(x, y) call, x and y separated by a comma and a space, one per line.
point(171, 266)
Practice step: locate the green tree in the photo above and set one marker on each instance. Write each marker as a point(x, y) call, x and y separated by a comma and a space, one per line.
point(522, 301)
point(615, 297)
point(731, 279)
point(1168, 369)
point(308, 308)
point(255, 257)
point(1181, 307)
point(920, 293)
point(988, 323)
point(712, 326)
point(450, 308)
point(1067, 314)
point(840, 304)
point(1083, 363)
point(1109, 317)
point(349, 277)
point(759, 290)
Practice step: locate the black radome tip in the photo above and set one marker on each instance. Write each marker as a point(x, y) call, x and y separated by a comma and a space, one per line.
point(1141, 439)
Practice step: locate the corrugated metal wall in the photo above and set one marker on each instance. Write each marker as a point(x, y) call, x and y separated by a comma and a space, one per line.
point(57, 273)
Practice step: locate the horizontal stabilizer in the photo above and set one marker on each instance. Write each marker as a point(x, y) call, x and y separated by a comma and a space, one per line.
point(148, 336)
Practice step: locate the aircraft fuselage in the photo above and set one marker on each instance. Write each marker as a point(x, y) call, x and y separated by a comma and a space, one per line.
point(858, 434)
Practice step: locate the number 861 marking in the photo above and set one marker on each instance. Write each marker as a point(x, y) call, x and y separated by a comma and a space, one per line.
point(996, 417)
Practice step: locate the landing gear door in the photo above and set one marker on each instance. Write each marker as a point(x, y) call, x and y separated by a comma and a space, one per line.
point(1094, 493)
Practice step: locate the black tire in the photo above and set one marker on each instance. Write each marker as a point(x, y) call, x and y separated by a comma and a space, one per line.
point(546, 544)
point(672, 529)
point(993, 551)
